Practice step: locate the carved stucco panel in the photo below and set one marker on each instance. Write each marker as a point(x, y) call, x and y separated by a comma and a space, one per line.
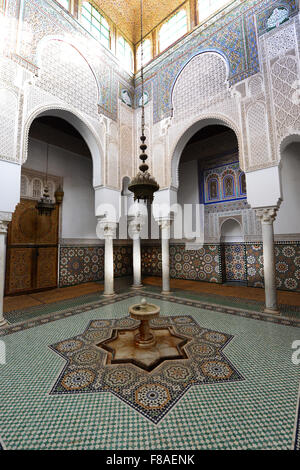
point(66, 74)
point(258, 135)
point(8, 124)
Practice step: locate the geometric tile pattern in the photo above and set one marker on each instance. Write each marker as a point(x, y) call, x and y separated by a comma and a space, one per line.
point(66, 311)
point(151, 260)
point(238, 262)
point(234, 262)
point(153, 394)
point(79, 264)
point(287, 264)
point(202, 264)
point(247, 414)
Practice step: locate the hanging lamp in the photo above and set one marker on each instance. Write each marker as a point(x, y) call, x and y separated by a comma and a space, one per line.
point(143, 185)
point(45, 205)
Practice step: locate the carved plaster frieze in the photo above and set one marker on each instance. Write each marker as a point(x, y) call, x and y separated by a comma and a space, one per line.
point(267, 215)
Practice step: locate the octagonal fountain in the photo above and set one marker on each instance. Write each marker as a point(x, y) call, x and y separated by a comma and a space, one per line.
point(144, 312)
point(143, 345)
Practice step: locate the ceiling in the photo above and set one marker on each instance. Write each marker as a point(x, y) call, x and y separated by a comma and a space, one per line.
point(126, 14)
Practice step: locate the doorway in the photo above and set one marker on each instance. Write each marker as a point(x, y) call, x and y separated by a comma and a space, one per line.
point(32, 250)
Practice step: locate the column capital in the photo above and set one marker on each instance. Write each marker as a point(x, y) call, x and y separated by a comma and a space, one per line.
point(165, 222)
point(267, 215)
point(5, 218)
point(106, 229)
point(135, 228)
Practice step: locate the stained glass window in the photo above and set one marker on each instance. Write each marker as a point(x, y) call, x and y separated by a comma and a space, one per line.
point(95, 23)
point(173, 29)
point(147, 48)
point(228, 186)
point(206, 8)
point(279, 16)
point(125, 54)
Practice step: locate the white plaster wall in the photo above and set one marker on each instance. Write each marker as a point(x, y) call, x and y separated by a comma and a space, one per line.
point(9, 186)
point(231, 231)
point(188, 191)
point(78, 211)
point(288, 218)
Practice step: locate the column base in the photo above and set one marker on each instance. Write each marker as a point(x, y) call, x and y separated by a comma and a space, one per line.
point(3, 323)
point(138, 286)
point(271, 311)
point(166, 292)
point(113, 294)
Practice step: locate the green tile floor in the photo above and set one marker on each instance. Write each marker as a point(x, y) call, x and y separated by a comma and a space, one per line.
point(257, 413)
point(123, 285)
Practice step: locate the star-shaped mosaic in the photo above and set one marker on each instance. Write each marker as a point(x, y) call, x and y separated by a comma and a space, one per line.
point(93, 363)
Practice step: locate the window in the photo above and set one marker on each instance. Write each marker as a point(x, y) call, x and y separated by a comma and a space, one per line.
point(213, 188)
point(64, 3)
point(173, 29)
point(147, 48)
point(95, 23)
point(243, 188)
point(207, 8)
point(125, 54)
point(228, 186)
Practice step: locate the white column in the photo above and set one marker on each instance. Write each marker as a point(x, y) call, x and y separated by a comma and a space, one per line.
point(108, 232)
point(165, 225)
point(134, 229)
point(267, 216)
point(3, 232)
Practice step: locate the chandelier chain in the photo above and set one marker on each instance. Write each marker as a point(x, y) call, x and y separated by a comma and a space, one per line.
point(142, 72)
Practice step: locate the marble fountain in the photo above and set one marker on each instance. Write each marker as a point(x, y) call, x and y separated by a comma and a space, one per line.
point(143, 345)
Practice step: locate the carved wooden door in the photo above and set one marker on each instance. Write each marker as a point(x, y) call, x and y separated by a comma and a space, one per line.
point(32, 250)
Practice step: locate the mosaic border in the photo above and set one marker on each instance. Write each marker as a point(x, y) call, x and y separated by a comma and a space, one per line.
point(169, 298)
point(155, 419)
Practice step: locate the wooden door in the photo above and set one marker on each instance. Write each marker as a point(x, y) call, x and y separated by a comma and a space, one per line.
point(32, 250)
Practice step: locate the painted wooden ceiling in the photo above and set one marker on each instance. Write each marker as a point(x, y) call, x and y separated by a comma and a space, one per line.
point(126, 14)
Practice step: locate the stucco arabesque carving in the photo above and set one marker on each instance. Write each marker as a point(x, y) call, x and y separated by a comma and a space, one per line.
point(267, 215)
point(52, 107)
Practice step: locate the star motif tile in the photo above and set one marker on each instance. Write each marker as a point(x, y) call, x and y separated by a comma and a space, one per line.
point(153, 393)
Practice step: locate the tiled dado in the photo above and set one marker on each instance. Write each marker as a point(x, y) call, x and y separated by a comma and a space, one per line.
point(231, 262)
point(201, 265)
point(287, 262)
point(80, 264)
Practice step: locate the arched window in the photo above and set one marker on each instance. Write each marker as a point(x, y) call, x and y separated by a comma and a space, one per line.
point(125, 54)
point(95, 23)
point(213, 189)
point(243, 188)
point(228, 186)
point(206, 8)
point(147, 48)
point(36, 188)
point(64, 3)
point(173, 29)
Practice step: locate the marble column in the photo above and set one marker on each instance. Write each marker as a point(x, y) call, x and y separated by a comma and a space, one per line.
point(165, 225)
point(4, 220)
point(135, 227)
point(267, 216)
point(108, 230)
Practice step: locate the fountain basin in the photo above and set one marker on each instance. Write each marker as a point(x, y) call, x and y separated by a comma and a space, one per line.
point(144, 312)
